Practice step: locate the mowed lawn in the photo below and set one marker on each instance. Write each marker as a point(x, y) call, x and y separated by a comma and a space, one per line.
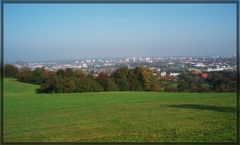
point(116, 116)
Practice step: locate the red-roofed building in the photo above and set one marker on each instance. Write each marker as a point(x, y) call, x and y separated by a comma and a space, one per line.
point(204, 75)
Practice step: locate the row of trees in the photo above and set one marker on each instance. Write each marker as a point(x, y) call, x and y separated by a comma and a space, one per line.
point(69, 81)
point(123, 79)
point(74, 80)
point(25, 74)
point(224, 81)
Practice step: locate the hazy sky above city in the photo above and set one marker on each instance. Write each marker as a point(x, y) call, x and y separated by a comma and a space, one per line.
point(35, 32)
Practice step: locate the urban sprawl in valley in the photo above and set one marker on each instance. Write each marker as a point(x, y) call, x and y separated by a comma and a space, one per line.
point(172, 66)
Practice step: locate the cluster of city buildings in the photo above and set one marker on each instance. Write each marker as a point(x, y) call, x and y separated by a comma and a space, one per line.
point(171, 66)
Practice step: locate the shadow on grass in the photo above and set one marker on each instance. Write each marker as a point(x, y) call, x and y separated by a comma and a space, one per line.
point(38, 91)
point(206, 107)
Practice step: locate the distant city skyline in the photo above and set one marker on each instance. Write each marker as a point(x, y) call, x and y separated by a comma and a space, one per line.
point(117, 58)
point(42, 32)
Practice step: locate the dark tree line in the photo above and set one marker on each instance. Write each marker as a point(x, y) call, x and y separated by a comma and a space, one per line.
point(224, 81)
point(123, 79)
point(25, 74)
point(192, 83)
point(69, 81)
point(74, 80)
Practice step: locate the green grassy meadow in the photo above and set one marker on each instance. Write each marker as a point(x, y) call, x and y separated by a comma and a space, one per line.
point(116, 116)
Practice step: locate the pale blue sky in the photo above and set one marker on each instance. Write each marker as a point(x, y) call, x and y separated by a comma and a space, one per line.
point(37, 32)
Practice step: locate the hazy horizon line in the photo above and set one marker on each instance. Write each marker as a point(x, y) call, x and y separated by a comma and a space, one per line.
point(117, 57)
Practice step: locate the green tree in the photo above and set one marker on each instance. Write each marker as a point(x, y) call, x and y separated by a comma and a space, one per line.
point(10, 70)
point(191, 83)
point(39, 75)
point(25, 75)
point(148, 81)
point(69, 85)
point(79, 73)
point(87, 84)
point(185, 82)
point(120, 77)
point(222, 81)
point(49, 85)
point(106, 82)
point(133, 82)
point(69, 72)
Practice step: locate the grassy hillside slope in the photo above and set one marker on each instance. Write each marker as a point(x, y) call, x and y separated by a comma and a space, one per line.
point(117, 116)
